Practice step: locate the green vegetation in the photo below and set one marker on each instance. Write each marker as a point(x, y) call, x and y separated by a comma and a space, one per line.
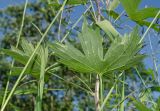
point(45, 66)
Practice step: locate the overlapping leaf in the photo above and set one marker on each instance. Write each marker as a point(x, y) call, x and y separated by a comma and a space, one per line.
point(139, 15)
point(108, 29)
point(92, 58)
point(113, 5)
point(22, 56)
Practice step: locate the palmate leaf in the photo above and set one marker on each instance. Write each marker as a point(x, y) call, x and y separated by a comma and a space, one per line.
point(122, 51)
point(92, 58)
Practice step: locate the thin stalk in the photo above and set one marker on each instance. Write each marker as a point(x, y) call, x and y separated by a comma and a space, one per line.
point(144, 84)
point(154, 60)
point(107, 3)
point(123, 94)
point(123, 100)
point(116, 95)
point(59, 27)
point(28, 82)
point(129, 95)
point(18, 40)
point(31, 57)
point(107, 97)
point(101, 90)
point(150, 26)
point(37, 29)
point(84, 83)
point(119, 16)
point(99, 10)
point(96, 97)
point(116, 88)
point(75, 24)
point(90, 92)
point(97, 85)
point(109, 93)
point(55, 64)
point(93, 10)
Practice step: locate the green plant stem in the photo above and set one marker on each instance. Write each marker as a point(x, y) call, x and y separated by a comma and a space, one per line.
point(107, 97)
point(109, 93)
point(97, 85)
point(150, 26)
point(90, 92)
point(99, 10)
point(96, 96)
point(18, 40)
point(101, 90)
point(31, 57)
point(117, 105)
point(84, 84)
point(75, 24)
point(144, 83)
point(154, 60)
point(123, 94)
point(93, 10)
point(119, 16)
point(59, 27)
point(37, 29)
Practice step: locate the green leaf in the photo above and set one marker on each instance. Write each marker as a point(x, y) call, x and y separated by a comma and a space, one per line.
point(122, 51)
point(108, 29)
point(149, 72)
point(22, 56)
point(34, 71)
point(130, 6)
point(139, 16)
point(43, 53)
point(25, 91)
point(17, 56)
point(140, 107)
point(146, 23)
point(76, 2)
point(113, 5)
point(155, 88)
point(27, 47)
point(146, 13)
point(91, 58)
point(113, 14)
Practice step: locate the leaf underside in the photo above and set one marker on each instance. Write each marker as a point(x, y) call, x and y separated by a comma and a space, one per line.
point(92, 59)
